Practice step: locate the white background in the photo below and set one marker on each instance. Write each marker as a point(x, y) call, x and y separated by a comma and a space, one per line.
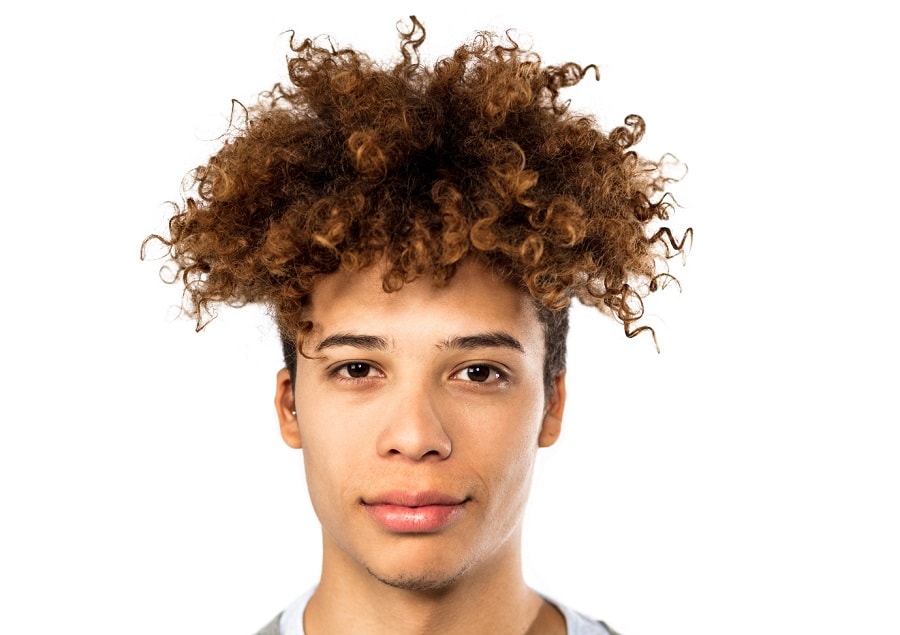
point(743, 481)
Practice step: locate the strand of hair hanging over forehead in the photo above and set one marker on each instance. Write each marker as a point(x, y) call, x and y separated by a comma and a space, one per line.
point(351, 162)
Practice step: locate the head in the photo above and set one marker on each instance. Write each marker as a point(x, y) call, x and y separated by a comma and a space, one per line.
point(468, 187)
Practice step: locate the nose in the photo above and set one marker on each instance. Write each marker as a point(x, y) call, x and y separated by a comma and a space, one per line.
point(413, 427)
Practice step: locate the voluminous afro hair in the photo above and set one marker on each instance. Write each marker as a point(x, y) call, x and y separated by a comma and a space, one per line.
point(353, 162)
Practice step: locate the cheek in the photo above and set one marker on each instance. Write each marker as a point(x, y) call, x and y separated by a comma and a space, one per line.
point(520, 463)
point(514, 425)
point(509, 450)
point(325, 449)
point(330, 479)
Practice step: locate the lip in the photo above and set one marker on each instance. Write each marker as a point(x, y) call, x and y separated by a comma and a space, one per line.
point(414, 512)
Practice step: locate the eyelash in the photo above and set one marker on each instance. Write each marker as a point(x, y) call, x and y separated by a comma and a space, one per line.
point(495, 376)
point(342, 372)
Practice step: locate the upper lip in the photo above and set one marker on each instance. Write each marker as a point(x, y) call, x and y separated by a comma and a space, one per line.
point(414, 499)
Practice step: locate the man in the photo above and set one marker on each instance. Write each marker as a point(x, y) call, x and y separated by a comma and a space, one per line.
point(418, 234)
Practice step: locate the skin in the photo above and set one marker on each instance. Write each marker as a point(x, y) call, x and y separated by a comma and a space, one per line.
point(422, 390)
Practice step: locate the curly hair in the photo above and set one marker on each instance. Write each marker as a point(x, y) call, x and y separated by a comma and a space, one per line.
point(353, 162)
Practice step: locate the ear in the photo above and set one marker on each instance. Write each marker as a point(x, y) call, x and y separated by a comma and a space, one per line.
point(287, 409)
point(556, 403)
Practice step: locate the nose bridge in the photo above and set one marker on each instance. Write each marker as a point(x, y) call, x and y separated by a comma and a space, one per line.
point(414, 426)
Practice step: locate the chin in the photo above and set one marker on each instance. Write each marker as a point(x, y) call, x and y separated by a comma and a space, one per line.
point(432, 582)
point(417, 584)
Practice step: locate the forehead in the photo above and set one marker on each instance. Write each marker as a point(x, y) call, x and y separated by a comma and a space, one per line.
point(474, 298)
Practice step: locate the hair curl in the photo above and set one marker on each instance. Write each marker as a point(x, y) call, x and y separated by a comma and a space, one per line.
point(352, 162)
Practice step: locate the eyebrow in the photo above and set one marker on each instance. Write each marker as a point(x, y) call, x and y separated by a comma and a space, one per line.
point(367, 342)
point(496, 339)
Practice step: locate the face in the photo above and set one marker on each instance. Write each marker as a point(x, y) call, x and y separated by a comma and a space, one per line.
point(420, 413)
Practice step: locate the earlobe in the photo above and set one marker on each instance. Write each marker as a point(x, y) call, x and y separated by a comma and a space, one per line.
point(556, 403)
point(286, 410)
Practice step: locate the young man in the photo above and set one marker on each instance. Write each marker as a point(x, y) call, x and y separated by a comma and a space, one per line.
point(418, 234)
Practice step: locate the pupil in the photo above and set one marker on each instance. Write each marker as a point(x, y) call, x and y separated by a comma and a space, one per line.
point(358, 370)
point(479, 373)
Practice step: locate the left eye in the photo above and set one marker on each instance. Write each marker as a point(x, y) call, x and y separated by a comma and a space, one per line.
point(479, 373)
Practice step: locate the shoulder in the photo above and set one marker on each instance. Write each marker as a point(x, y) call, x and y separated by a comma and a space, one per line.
point(608, 629)
point(290, 620)
point(579, 624)
point(272, 628)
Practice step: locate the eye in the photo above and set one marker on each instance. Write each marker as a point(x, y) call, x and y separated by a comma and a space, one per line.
point(354, 370)
point(480, 373)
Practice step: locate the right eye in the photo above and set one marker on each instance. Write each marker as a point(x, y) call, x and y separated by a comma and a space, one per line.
point(354, 370)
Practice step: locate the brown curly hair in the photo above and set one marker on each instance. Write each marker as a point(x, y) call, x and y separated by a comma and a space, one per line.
point(354, 162)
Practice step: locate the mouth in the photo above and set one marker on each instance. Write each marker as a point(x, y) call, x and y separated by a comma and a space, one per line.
point(414, 512)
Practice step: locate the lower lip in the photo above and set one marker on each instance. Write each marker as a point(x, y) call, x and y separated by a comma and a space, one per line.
point(414, 520)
